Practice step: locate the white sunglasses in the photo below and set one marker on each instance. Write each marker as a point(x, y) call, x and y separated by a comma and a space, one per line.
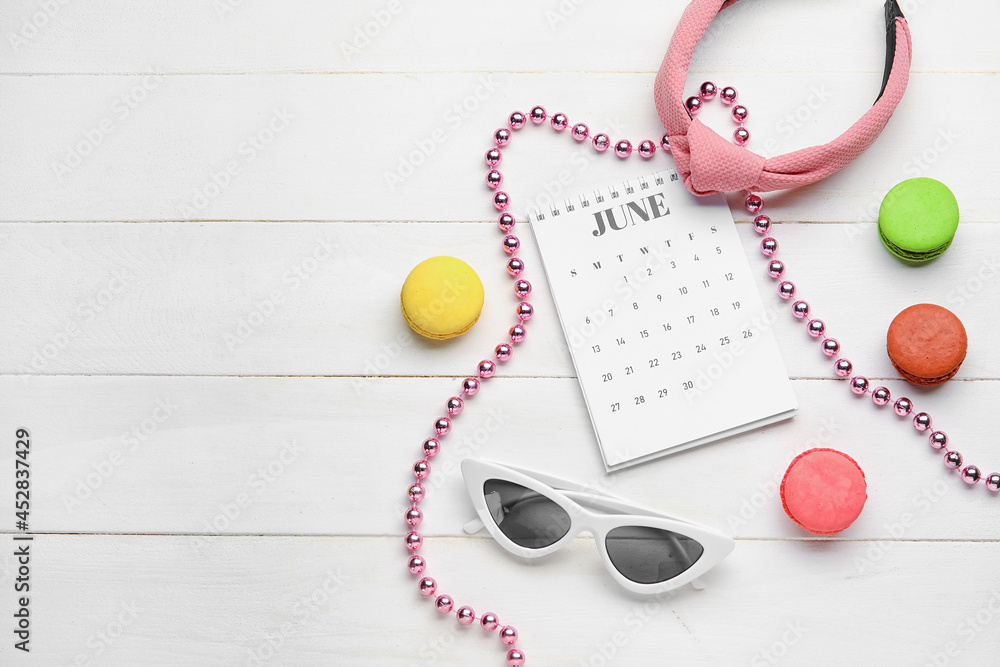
point(533, 514)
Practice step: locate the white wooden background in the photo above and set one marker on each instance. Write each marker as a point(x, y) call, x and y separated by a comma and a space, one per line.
point(212, 492)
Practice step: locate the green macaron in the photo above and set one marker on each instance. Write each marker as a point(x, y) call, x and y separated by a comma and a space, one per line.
point(918, 219)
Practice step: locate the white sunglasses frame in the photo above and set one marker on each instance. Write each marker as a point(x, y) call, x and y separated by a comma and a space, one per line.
point(614, 512)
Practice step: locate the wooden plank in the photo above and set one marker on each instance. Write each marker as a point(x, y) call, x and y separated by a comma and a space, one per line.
point(159, 601)
point(233, 36)
point(409, 146)
point(315, 455)
point(322, 299)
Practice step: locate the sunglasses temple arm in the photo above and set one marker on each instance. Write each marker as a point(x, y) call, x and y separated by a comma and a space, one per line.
point(473, 526)
point(611, 503)
point(558, 483)
point(591, 494)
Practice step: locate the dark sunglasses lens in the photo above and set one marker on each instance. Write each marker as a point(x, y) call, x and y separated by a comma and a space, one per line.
point(651, 555)
point(526, 517)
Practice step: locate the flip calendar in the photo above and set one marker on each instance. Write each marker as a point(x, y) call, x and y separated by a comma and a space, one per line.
point(667, 331)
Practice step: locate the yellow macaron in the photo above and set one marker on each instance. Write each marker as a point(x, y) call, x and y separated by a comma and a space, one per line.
point(442, 298)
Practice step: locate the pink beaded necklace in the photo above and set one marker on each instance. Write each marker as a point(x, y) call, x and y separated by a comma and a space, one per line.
point(413, 516)
point(707, 166)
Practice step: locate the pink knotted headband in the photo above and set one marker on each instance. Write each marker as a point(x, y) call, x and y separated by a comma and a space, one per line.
point(710, 164)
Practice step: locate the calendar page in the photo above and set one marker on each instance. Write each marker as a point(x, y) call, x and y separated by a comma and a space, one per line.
point(666, 328)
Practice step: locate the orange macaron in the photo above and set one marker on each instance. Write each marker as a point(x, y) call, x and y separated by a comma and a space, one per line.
point(927, 344)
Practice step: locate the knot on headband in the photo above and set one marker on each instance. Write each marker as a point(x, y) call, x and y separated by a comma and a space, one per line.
point(708, 164)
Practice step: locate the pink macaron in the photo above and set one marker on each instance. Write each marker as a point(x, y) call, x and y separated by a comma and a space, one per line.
point(823, 491)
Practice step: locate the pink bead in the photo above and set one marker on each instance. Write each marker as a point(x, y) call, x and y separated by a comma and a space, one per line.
point(510, 244)
point(881, 396)
point(493, 157)
point(623, 148)
point(489, 621)
point(728, 95)
point(416, 564)
point(505, 222)
point(413, 540)
point(601, 142)
point(508, 635)
point(537, 115)
point(515, 266)
point(971, 475)
point(413, 516)
point(993, 482)
point(741, 136)
point(769, 246)
point(517, 120)
point(431, 447)
point(501, 200)
point(493, 179)
point(515, 658)
point(786, 289)
point(427, 586)
point(693, 105)
point(754, 204)
point(800, 309)
point(517, 333)
point(938, 440)
point(922, 421)
point(559, 122)
point(843, 367)
point(502, 136)
point(903, 406)
point(859, 385)
point(580, 132)
point(442, 426)
point(421, 469)
point(487, 368)
point(415, 492)
point(646, 149)
point(775, 268)
point(454, 405)
point(815, 328)
point(665, 143)
point(443, 604)
point(762, 224)
point(524, 311)
point(830, 346)
point(952, 460)
point(503, 352)
point(470, 386)
point(465, 615)
point(740, 113)
point(522, 288)
point(707, 91)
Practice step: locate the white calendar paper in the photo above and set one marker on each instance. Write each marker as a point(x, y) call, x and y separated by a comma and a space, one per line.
point(666, 328)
